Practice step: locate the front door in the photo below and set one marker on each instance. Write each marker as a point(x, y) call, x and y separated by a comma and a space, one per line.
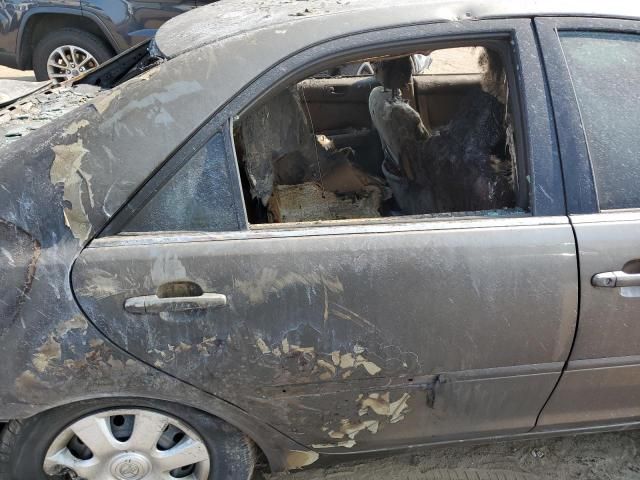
point(597, 87)
point(358, 335)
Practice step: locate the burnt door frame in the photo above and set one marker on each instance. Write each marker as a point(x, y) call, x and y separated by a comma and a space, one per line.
point(535, 139)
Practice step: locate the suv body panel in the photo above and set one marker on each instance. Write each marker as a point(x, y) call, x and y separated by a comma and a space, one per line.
point(123, 23)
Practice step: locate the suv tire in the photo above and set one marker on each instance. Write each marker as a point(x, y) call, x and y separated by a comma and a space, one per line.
point(98, 49)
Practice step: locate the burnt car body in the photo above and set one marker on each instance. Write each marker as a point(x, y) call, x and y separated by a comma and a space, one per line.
point(114, 24)
point(319, 340)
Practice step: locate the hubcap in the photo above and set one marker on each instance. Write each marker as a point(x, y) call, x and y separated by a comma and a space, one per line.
point(130, 466)
point(68, 61)
point(128, 444)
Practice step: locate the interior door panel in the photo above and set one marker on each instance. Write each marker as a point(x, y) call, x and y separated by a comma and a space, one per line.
point(360, 336)
point(336, 104)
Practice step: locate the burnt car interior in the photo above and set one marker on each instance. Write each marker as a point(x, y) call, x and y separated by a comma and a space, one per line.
point(428, 133)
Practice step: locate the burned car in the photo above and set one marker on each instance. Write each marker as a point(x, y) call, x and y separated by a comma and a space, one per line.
point(326, 228)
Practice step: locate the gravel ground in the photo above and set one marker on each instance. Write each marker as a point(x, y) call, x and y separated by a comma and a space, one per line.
point(608, 456)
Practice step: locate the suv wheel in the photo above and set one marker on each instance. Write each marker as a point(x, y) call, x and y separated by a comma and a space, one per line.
point(68, 53)
point(129, 439)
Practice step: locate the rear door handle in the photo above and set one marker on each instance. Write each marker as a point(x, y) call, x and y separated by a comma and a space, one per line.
point(153, 304)
point(338, 90)
point(616, 280)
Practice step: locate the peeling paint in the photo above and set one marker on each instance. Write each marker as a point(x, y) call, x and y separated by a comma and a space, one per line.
point(326, 366)
point(352, 429)
point(49, 352)
point(67, 171)
point(297, 459)
point(381, 405)
point(378, 404)
point(57, 361)
point(102, 103)
point(347, 444)
point(263, 346)
point(78, 322)
point(74, 128)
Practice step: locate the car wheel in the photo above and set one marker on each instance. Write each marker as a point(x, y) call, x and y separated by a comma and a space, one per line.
point(130, 439)
point(67, 53)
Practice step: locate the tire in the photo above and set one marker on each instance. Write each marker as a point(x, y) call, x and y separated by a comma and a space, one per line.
point(24, 443)
point(478, 474)
point(67, 36)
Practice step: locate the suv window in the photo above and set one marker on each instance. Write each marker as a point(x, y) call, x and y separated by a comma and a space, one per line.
point(605, 75)
point(197, 198)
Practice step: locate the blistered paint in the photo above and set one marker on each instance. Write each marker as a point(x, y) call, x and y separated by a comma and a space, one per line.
point(68, 172)
point(297, 459)
point(374, 411)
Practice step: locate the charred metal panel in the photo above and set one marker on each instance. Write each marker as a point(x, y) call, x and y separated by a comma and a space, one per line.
point(232, 17)
point(318, 324)
point(19, 256)
point(60, 185)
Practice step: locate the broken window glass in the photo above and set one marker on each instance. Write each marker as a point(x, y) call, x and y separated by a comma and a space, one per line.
point(197, 198)
point(400, 142)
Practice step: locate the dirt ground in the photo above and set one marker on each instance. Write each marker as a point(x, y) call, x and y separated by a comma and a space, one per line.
point(608, 456)
point(7, 73)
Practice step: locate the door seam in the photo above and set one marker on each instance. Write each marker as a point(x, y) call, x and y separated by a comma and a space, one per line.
point(573, 230)
point(575, 332)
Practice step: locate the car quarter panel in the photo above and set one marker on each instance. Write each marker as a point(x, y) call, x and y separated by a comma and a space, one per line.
point(59, 186)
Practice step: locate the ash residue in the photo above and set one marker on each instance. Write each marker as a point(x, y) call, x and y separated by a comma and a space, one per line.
point(32, 112)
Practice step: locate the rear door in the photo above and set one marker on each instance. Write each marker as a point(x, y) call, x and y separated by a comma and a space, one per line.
point(595, 81)
point(359, 335)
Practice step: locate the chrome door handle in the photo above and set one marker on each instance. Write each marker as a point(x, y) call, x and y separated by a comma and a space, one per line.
point(616, 280)
point(154, 304)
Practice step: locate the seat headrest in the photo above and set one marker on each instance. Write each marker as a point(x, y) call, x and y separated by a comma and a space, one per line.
point(394, 74)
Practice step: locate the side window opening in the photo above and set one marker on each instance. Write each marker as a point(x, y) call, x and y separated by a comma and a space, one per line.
point(198, 197)
point(427, 133)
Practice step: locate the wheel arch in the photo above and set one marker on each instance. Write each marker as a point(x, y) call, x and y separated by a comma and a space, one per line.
point(40, 21)
point(281, 452)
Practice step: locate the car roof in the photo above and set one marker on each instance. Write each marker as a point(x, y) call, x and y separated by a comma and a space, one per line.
point(230, 18)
